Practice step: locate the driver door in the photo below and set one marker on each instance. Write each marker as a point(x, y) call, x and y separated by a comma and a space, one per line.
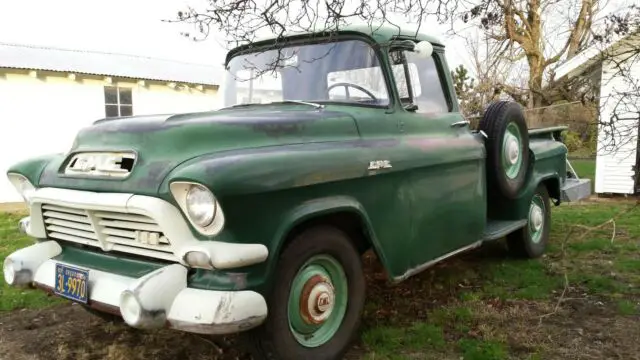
point(446, 160)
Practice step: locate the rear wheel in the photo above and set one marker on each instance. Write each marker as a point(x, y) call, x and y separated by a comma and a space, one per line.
point(316, 304)
point(531, 241)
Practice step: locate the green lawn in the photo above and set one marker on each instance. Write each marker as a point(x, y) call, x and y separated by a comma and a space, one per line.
point(585, 168)
point(11, 240)
point(483, 305)
point(492, 306)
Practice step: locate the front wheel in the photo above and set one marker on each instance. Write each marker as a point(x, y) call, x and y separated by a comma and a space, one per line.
point(316, 304)
point(531, 241)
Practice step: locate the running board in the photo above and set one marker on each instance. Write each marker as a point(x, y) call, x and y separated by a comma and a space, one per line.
point(497, 229)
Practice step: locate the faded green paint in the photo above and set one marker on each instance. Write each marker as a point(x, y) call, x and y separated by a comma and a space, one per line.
point(273, 167)
point(112, 263)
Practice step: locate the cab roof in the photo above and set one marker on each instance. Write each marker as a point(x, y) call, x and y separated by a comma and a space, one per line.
point(378, 33)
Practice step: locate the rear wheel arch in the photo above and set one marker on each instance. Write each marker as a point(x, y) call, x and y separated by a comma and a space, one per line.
point(553, 188)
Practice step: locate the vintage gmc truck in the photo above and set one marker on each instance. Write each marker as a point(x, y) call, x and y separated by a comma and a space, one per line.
point(253, 218)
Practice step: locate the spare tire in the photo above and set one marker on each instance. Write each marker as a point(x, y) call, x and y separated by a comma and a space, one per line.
point(507, 147)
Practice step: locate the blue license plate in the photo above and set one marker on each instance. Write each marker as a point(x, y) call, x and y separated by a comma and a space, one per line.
point(72, 283)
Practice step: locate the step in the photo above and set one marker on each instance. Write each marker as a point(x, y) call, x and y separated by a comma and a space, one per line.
point(497, 229)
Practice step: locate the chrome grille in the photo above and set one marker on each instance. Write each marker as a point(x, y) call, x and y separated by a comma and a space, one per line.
point(132, 233)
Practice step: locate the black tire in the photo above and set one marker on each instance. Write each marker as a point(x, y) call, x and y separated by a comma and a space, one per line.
point(274, 339)
point(499, 117)
point(522, 243)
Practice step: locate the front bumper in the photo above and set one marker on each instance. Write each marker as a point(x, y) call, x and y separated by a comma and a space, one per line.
point(157, 299)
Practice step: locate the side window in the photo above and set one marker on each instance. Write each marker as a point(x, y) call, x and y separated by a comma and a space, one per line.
point(432, 100)
point(425, 82)
point(117, 101)
point(357, 85)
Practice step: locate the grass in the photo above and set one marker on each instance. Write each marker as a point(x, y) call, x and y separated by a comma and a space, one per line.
point(11, 240)
point(497, 313)
point(585, 168)
point(484, 305)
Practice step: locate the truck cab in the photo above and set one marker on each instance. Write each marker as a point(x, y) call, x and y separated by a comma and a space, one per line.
point(253, 218)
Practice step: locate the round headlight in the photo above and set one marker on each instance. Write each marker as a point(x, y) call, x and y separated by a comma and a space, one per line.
point(201, 205)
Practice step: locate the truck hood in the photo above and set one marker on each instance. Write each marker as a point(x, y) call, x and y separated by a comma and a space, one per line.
point(162, 142)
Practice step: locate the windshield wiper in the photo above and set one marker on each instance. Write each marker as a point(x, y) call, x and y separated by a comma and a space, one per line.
point(315, 105)
point(239, 105)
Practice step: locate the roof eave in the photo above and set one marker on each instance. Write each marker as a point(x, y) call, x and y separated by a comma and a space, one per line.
point(588, 57)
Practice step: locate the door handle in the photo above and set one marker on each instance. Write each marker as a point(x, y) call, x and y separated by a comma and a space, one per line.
point(460, 123)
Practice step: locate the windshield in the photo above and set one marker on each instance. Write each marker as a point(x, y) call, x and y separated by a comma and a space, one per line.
point(347, 71)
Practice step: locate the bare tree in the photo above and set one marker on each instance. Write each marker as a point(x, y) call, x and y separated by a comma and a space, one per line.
point(530, 37)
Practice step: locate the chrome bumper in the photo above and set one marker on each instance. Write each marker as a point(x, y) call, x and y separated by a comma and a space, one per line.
point(155, 300)
point(576, 189)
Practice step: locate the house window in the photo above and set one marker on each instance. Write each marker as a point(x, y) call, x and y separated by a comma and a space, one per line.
point(117, 101)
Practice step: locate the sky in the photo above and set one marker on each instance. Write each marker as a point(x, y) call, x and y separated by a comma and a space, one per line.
point(122, 26)
point(136, 27)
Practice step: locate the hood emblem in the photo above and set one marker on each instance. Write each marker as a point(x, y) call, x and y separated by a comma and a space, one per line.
point(379, 164)
point(101, 164)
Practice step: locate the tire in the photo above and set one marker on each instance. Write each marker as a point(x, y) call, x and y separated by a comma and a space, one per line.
point(530, 242)
point(319, 250)
point(507, 147)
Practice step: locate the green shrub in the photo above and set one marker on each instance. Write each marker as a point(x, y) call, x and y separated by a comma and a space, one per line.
point(572, 141)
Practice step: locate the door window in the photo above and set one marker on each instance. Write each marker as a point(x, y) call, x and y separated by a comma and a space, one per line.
point(426, 85)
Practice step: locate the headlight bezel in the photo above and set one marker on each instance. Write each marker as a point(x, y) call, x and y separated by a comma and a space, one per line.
point(23, 185)
point(180, 190)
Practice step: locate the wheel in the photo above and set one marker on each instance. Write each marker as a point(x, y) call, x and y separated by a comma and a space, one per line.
point(507, 147)
point(316, 304)
point(531, 240)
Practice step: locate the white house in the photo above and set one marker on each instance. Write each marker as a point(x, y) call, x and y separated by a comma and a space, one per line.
point(48, 94)
point(615, 70)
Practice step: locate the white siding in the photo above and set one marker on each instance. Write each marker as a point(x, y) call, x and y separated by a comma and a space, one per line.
point(42, 115)
point(617, 151)
point(155, 99)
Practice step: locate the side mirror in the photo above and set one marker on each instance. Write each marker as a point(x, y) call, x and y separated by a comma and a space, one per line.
point(423, 49)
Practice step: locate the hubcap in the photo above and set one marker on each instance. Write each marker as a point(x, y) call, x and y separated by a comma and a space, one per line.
point(317, 301)
point(511, 152)
point(536, 218)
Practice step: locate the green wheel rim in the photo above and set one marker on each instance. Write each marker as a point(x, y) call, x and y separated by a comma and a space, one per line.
point(536, 218)
point(511, 151)
point(317, 301)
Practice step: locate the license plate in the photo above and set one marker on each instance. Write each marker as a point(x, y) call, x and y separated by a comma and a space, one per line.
point(72, 283)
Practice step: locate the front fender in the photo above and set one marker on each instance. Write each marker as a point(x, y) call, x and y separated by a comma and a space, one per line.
point(261, 170)
point(32, 168)
point(320, 207)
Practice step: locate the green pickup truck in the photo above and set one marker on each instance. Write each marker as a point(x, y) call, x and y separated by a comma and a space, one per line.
point(253, 218)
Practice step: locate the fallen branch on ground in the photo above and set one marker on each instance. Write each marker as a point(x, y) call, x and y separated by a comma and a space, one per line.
point(587, 230)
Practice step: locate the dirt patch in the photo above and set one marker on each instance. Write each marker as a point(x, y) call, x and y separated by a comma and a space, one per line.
point(583, 327)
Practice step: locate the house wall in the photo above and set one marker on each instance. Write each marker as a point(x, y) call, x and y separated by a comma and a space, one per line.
point(41, 115)
point(616, 154)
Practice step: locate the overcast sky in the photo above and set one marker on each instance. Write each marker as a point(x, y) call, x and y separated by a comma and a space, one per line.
point(133, 26)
